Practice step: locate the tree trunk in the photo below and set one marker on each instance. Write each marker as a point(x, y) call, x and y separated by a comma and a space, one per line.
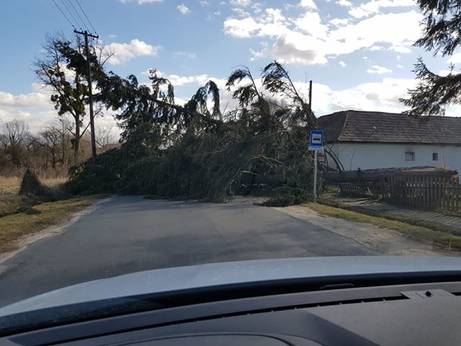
point(53, 158)
point(77, 140)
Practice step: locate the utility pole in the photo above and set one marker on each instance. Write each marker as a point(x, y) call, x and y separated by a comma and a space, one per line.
point(316, 151)
point(315, 175)
point(90, 88)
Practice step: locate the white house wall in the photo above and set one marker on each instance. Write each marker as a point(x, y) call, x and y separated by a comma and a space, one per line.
point(367, 156)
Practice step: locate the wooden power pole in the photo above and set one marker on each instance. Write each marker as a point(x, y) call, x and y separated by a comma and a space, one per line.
point(86, 34)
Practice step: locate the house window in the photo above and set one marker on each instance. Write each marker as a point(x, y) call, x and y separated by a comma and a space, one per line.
point(435, 156)
point(410, 156)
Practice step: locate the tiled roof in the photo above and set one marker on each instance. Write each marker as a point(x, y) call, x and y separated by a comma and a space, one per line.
point(378, 127)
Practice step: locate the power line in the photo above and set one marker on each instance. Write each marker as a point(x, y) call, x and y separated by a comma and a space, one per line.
point(64, 15)
point(82, 21)
point(69, 12)
point(87, 19)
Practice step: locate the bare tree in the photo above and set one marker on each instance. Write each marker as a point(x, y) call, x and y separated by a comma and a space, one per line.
point(50, 139)
point(104, 136)
point(65, 128)
point(15, 134)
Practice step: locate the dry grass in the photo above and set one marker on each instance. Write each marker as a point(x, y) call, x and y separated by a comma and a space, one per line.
point(21, 215)
point(10, 185)
point(441, 239)
point(16, 226)
point(11, 202)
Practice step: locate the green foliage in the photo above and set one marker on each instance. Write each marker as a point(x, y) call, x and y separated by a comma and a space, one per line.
point(433, 92)
point(442, 23)
point(104, 173)
point(442, 34)
point(193, 151)
point(64, 69)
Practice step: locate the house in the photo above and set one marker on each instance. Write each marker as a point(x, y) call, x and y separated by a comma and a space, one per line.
point(367, 140)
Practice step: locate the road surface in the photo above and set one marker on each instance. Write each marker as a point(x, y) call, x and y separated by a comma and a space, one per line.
point(128, 234)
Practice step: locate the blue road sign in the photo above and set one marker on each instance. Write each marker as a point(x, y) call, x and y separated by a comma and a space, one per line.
point(316, 139)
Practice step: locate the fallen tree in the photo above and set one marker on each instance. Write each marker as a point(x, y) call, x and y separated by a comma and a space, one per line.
point(195, 151)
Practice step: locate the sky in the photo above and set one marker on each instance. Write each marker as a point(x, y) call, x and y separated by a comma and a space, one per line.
point(359, 53)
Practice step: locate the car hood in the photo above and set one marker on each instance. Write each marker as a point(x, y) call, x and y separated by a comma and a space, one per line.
point(231, 273)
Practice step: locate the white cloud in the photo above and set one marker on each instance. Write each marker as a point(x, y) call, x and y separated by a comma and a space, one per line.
point(271, 23)
point(307, 40)
point(342, 64)
point(241, 28)
point(240, 12)
point(339, 21)
point(178, 81)
point(311, 24)
point(124, 52)
point(455, 58)
point(309, 4)
point(33, 108)
point(383, 96)
point(240, 3)
point(366, 33)
point(377, 69)
point(204, 3)
point(444, 72)
point(294, 48)
point(375, 6)
point(344, 3)
point(37, 111)
point(181, 80)
point(141, 2)
point(183, 9)
point(32, 100)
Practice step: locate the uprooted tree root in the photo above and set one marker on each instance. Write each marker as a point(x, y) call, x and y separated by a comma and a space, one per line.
point(33, 190)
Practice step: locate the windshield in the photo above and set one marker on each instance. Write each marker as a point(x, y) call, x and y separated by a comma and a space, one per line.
point(138, 135)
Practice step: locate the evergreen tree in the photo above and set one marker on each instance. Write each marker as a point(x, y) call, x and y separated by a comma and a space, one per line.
point(442, 35)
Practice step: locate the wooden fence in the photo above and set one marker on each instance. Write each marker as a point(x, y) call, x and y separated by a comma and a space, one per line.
point(427, 192)
point(422, 192)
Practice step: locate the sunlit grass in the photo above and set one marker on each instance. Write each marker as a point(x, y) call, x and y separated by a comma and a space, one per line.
point(9, 185)
point(441, 239)
point(37, 218)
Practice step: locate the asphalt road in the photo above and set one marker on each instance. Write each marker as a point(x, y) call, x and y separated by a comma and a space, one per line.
point(128, 234)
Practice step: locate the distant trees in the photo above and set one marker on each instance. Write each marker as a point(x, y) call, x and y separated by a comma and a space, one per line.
point(104, 136)
point(442, 35)
point(49, 152)
point(15, 134)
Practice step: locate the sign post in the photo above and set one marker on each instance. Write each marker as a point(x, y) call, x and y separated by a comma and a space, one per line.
point(315, 175)
point(316, 139)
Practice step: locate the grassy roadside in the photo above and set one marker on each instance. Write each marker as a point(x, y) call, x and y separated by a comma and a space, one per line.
point(15, 226)
point(10, 185)
point(440, 239)
point(21, 216)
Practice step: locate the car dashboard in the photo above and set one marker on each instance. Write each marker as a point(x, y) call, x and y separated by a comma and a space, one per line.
point(411, 314)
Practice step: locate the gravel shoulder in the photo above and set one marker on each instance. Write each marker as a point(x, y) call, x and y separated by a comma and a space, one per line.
point(379, 239)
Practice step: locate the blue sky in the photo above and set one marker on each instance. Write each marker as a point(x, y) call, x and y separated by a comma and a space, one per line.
point(358, 53)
